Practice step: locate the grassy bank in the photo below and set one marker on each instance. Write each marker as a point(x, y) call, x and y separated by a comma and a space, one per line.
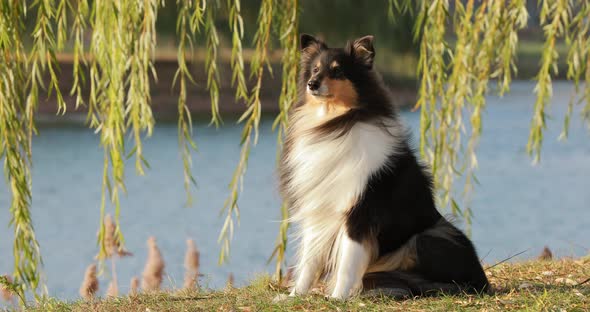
point(560, 285)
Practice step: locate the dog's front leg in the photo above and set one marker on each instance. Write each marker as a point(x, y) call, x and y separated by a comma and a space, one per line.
point(307, 268)
point(353, 260)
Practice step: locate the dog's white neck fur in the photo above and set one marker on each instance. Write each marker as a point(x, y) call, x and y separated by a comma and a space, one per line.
point(321, 111)
point(329, 174)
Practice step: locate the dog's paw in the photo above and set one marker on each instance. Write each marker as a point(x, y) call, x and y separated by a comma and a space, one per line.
point(282, 297)
point(337, 297)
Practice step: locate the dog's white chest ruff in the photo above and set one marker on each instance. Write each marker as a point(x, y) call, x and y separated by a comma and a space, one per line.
point(330, 173)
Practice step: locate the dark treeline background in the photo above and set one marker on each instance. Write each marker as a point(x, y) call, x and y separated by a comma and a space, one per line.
point(335, 21)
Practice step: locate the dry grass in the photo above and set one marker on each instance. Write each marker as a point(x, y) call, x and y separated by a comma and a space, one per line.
point(529, 286)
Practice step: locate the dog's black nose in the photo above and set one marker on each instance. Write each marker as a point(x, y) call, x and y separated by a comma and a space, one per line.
point(313, 85)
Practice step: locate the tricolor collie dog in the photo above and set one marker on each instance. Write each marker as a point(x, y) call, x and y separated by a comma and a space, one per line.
point(362, 201)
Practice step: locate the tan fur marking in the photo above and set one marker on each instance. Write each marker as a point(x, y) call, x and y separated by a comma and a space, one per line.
point(343, 93)
point(402, 259)
point(342, 97)
point(334, 64)
point(331, 108)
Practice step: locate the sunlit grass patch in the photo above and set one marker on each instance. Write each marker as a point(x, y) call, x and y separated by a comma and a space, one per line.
point(529, 286)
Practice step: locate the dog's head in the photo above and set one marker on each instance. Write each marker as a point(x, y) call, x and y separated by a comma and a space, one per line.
point(332, 76)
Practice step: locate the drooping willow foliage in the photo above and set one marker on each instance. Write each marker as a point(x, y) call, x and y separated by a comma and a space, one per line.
point(122, 49)
point(289, 40)
point(454, 78)
point(454, 82)
point(462, 51)
point(16, 126)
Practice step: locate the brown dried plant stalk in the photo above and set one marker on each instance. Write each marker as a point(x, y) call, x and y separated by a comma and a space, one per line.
point(113, 249)
point(112, 244)
point(5, 292)
point(191, 266)
point(113, 289)
point(230, 280)
point(90, 284)
point(154, 268)
point(546, 254)
point(134, 286)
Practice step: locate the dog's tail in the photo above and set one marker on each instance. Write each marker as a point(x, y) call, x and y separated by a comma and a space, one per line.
point(402, 284)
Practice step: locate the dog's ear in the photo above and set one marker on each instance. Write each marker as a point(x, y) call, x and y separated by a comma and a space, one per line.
point(310, 45)
point(362, 49)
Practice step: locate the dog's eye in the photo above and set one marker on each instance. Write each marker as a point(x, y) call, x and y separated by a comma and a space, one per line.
point(315, 70)
point(337, 71)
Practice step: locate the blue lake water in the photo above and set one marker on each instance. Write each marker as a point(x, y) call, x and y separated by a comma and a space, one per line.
point(517, 207)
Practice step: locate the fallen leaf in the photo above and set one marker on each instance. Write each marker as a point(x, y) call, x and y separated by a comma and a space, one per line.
point(566, 281)
point(525, 286)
